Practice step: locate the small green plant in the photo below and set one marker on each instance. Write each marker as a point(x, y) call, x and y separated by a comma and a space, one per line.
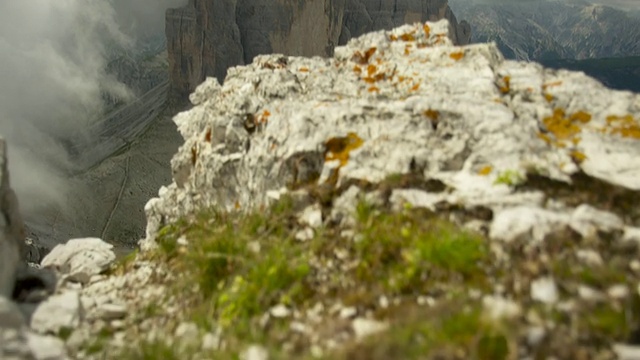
point(510, 178)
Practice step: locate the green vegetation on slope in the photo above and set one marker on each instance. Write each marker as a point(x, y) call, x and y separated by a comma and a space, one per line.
point(421, 276)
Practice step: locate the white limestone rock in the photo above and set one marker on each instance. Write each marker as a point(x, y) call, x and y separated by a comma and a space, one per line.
point(524, 222)
point(255, 352)
point(80, 259)
point(400, 101)
point(46, 347)
point(588, 220)
point(545, 290)
point(363, 327)
point(311, 216)
point(61, 311)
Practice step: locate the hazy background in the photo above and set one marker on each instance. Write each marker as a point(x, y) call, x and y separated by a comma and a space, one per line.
point(53, 55)
point(622, 4)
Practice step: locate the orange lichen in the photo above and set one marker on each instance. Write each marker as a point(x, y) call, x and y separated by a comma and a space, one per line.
point(625, 126)
point(485, 170)
point(207, 136)
point(434, 117)
point(548, 97)
point(374, 89)
point(357, 69)
point(304, 69)
point(457, 55)
point(432, 114)
point(371, 69)
point(426, 29)
point(407, 37)
point(363, 59)
point(264, 117)
point(407, 51)
point(555, 83)
point(506, 87)
point(393, 37)
point(338, 148)
point(415, 87)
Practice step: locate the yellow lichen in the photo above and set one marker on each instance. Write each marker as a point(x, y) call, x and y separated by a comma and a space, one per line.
point(371, 69)
point(304, 69)
point(506, 86)
point(625, 126)
point(578, 156)
point(563, 131)
point(580, 116)
point(407, 37)
point(434, 117)
point(338, 148)
point(485, 170)
point(426, 29)
point(548, 97)
point(457, 55)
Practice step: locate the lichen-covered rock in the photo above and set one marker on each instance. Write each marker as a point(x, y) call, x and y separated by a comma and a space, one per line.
point(499, 135)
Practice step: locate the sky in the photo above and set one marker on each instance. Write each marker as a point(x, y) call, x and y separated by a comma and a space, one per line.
point(52, 76)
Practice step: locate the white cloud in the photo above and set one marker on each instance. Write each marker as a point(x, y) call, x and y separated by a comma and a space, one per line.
point(52, 77)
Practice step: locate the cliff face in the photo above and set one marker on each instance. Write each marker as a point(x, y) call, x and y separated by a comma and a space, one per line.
point(549, 30)
point(207, 37)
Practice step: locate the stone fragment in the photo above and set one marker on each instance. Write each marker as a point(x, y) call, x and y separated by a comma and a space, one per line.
point(311, 216)
point(500, 308)
point(111, 311)
point(61, 311)
point(588, 221)
point(363, 327)
point(544, 290)
point(280, 311)
point(627, 352)
point(46, 347)
point(255, 352)
point(526, 223)
point(80, 259)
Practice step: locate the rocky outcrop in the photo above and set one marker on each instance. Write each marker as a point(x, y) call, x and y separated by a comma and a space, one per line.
point(454, 117)
point(13, 250)
point(207, 37)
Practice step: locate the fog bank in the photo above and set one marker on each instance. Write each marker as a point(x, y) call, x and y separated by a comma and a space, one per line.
point(53, 56)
